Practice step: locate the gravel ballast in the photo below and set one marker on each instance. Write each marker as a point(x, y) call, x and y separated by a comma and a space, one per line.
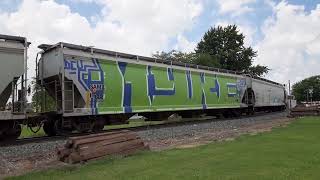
point(192, 129)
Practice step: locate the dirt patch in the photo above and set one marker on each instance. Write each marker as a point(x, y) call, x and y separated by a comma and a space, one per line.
point(13, 166)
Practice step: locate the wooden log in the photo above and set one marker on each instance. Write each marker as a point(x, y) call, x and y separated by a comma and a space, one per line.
point(124, 153)
point(106, 142)
point(100, 138)
point(93, 146)
point(111, 149)
point(87, 155)
point(72, 140)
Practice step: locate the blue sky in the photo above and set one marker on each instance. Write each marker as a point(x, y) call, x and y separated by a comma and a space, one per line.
point(285, 33)
point(85, 9)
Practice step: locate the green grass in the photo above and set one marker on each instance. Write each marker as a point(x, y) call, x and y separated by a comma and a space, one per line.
point(27, 133)
point(285, 153)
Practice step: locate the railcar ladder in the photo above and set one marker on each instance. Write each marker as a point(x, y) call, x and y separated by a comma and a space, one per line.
point(68, 99)
point(58, 90)
point(68, 96)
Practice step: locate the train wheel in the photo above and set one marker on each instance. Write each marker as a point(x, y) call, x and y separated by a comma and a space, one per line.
point(2, 137)
point(48, 128)
point(98, 125)
point(17, 131)
point(82, 124)
point(3, 129)
point(227, 114)
point(236, 113)
point(250, 110)
point(97, 128)
point(14, 132)
point(58, 126)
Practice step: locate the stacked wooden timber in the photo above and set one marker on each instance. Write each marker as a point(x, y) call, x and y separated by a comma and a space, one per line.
point(93, 146)
point(305, 111)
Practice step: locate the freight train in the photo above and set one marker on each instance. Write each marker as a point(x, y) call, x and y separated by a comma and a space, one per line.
point(90, 88)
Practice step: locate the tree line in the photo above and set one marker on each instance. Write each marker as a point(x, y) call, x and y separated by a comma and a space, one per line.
point(307, 89)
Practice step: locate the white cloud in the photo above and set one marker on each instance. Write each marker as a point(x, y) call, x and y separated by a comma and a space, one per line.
point(249, 33)
point(140, 26)
point(313, 47)
point(184, 45)
point(148, 25)
point(235, 7)
point(291, 43)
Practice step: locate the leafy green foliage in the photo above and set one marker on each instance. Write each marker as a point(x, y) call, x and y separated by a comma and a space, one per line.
point(226, 44)
point(301, 89)
point(189, 58)
point(257, 70)
point(220, 47)
point(41, 100)
point(207, 60)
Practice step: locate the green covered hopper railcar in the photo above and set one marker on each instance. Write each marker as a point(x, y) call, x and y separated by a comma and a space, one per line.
point(85, 82)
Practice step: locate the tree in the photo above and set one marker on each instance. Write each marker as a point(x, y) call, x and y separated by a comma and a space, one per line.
point(190, 58)
point(174, 56)
point(307, 89)
point(258, 70)
point(226, 45)
point(41, 100)
point(206, 59)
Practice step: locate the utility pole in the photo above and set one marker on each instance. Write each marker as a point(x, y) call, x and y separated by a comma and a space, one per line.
point(289, 95)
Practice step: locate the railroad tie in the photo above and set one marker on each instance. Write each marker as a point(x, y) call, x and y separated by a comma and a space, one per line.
point(83, 148)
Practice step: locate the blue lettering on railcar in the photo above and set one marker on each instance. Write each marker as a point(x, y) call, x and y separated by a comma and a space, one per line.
point(127, 90)
point(215, 89)
point(153, 90)
point(203, 95)
point(232, 86)
point(189, 83)
point(84, 70)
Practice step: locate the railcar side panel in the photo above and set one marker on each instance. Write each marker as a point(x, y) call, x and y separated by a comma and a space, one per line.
point(119, 87)
point(267, 94)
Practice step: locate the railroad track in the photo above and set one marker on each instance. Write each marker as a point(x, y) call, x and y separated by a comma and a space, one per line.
point(305, 111)
point(136, 128)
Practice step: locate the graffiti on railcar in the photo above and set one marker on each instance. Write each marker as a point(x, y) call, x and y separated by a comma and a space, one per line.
point(91, 77)
point(146, 87)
